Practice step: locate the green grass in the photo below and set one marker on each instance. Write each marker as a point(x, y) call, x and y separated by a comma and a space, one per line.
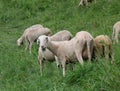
point(19, 70)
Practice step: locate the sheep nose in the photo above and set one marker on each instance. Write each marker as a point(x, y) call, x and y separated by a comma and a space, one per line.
point(43, 48)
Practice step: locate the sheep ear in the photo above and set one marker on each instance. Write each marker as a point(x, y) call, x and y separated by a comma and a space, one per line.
point(38, 42)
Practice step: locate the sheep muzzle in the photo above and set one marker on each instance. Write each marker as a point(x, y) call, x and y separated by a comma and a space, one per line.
point(43, 48)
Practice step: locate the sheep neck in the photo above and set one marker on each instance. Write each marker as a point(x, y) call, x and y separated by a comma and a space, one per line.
point(21, 39)
point(52, 47)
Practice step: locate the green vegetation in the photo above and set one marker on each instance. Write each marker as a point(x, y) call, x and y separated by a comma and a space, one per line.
point(19, 70)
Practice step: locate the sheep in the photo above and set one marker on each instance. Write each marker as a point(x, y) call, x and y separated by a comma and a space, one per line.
point(31, 34)
point(61, 35)
point(85, 2)
point(116, 31)
point(21, 39)
point(47, 55)
point(103, 47)
point(69, 51)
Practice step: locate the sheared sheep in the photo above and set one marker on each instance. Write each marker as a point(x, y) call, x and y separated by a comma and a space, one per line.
point(48, 55)
point(116, 31)
point(104, 47)
point(31, 34)
point(69, 51)
point(85, 2)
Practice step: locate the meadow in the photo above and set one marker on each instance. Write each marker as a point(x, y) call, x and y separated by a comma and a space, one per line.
point(19, 70)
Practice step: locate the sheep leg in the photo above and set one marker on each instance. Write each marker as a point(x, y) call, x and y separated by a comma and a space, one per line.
point(30, 46)
point(80, 59)
point(106, 52)
point(97, 53)
point(86, 2)
point(81, 3)
point(79, 56)
point(27, 44)
point(113, 36)
point(90, 49)
point(63, 66)
point(57, 61)
point(116, 36)
point(79, 50)
point(111, 54)
point(89, 53)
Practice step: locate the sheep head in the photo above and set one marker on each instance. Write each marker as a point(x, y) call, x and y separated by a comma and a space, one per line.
point(19, 42)
point(42, 41)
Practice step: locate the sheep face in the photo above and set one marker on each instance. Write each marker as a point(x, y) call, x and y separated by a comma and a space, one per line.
point(42, 40)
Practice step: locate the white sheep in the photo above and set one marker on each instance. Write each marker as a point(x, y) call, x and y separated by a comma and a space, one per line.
point(116, 31)
point(22, 38)
point(61, 35)
point(69, 50)
point(31, 34)
point(48, 55)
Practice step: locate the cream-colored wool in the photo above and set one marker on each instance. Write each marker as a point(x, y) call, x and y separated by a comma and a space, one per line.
point(47, 55)
point(69, 51)
point(31, 34)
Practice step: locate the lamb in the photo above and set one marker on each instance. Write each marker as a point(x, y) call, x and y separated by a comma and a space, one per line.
point(47, 55)
point(85, 2)
point(104, 47)
point(31, 34)
point(116, 31)
point(69, 51)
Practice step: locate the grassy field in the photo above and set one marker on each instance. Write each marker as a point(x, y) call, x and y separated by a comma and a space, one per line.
point(19, 70)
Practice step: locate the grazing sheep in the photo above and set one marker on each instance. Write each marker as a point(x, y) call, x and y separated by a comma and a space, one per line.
point(104, 47)
point(31, 34)
point(85, 2)
point(89, 43)
point(21, 39)
point(116, 31)
point(48, 55)
point(62, 35)
point(69, 51)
